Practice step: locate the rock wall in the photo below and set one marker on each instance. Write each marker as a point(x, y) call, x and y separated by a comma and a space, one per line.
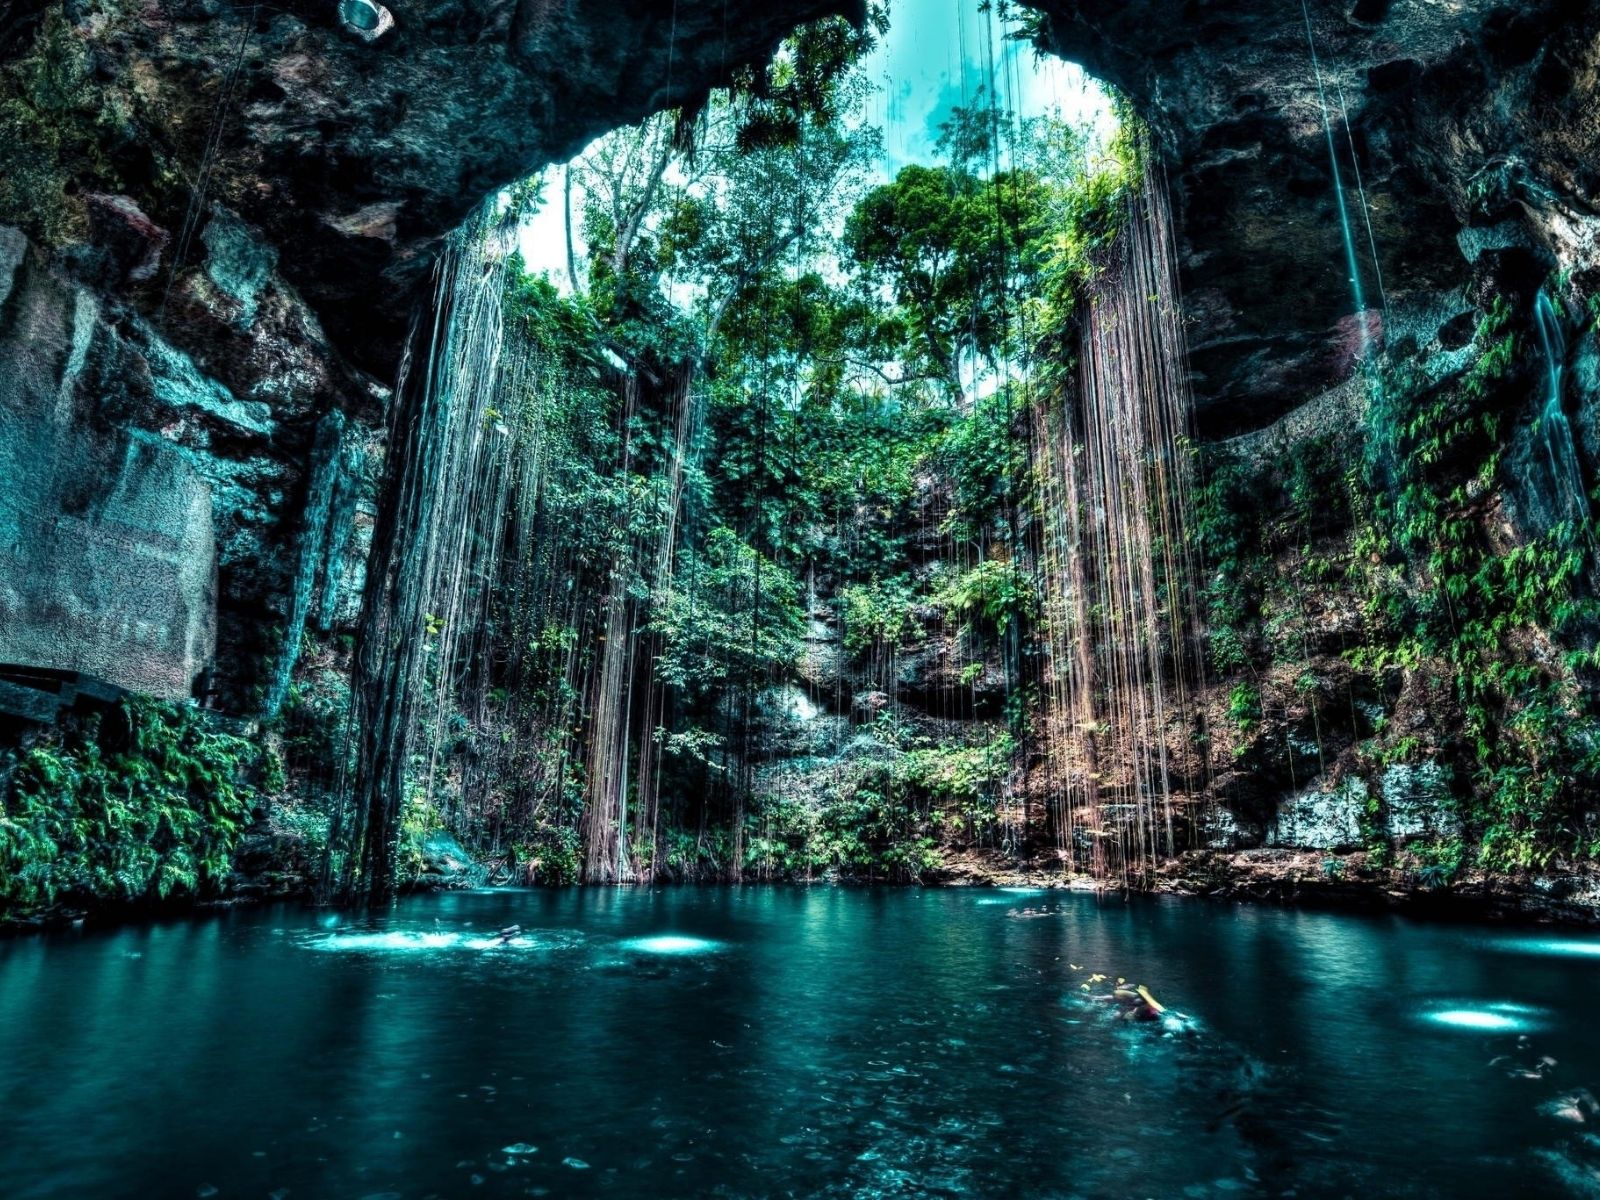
point(1462, 118)
point(152, 515)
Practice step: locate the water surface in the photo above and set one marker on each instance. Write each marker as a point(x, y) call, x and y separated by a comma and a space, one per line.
point(778, 1042)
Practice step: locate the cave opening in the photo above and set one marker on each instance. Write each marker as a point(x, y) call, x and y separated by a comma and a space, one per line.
point(802, 482)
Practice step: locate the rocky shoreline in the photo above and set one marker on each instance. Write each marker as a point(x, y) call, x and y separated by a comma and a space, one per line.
point(1313, 879)
point(1562, 895)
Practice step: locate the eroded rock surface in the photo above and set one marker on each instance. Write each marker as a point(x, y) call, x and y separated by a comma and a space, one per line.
point(1459, 118)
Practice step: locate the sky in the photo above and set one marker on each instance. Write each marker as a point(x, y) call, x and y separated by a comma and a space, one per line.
point(932, 59)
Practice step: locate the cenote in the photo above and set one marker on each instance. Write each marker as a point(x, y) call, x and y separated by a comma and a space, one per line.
point(787, 598)
point(793, 1041)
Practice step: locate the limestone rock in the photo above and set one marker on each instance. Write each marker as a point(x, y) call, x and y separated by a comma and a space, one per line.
point(1320, 818)
point(1417, 801)
point(446, 864)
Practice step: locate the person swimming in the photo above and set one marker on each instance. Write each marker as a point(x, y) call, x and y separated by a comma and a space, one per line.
point(1137, 1003)
point(1135, 1000)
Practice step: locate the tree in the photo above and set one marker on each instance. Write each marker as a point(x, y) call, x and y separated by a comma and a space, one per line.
point(953, 251)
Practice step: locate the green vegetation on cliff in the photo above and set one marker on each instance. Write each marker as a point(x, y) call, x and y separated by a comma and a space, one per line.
point(143, 803)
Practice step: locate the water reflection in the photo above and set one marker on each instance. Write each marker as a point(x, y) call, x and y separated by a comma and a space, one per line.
point(772, 1041)
point(1554, 947)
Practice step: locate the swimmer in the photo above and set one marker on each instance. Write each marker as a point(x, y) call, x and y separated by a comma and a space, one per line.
point(1137, 1003)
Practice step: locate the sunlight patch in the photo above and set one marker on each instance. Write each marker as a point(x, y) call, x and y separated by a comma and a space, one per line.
point(669, 943)
point(1554, 947)
point(1486, 1018)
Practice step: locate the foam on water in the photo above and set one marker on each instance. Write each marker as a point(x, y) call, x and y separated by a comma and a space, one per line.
point(415, 941)
point(407, 941)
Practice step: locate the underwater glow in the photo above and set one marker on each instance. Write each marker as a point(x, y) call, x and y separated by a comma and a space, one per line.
point(1008, 895)
point(1468, 1018)
point(1503, 1017)
point(670, 943)
point(403, 940)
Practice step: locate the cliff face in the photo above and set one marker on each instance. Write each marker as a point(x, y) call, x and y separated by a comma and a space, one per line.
point(348, 150)
point(1462, 118)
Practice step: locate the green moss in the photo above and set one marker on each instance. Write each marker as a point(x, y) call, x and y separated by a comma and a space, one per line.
point(56, 129)
point(1458, 604)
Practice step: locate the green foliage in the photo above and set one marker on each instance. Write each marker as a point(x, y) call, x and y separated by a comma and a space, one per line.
point(729, 617)
point(1088, 211)
point(1244, 707)
point(962, 783)
point(703, 855)
point(980, 452)
point(1439, 861)
point(995, 591)
point(552, 855)
point(1225, 524)
point(804, 80)
point(142, 806)
point(418, 818)
point(877, 616)
point(955, 250)
point(1476, 609)
point(885, 819)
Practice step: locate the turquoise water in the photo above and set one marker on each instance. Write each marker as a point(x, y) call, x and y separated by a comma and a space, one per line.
point(777, 1042)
